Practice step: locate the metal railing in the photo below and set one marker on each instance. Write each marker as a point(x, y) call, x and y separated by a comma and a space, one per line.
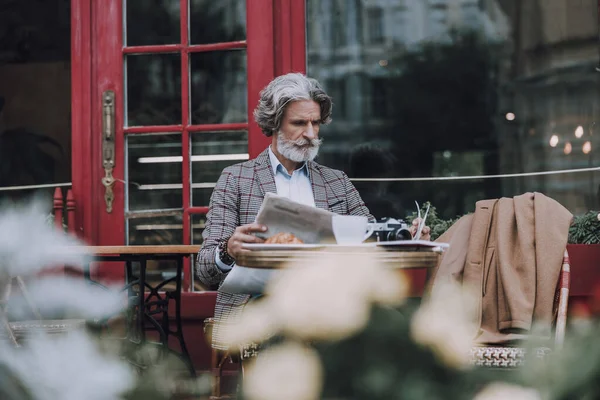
point(63, 208)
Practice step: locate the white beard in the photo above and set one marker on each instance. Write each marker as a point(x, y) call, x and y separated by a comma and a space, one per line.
point(300, 150)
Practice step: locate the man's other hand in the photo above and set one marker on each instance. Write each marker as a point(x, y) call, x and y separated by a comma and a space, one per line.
point(243, 234)
point(425, 232)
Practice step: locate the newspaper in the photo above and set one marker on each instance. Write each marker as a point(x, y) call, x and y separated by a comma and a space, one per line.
point(310, 224)
point(280, 214)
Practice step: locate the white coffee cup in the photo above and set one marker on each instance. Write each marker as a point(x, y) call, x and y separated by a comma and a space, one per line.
point(351, 229)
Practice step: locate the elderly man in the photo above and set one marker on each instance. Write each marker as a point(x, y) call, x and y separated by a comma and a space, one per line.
point(291, 110)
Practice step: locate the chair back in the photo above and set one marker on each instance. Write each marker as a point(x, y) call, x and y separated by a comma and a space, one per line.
point(562, 302)
point(503, 357)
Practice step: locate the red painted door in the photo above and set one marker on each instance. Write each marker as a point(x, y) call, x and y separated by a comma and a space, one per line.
point(163, 93)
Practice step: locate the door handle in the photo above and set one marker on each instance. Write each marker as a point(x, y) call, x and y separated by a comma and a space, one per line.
point(108, 147)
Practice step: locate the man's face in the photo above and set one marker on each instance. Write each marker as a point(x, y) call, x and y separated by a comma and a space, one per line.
point(298, 138)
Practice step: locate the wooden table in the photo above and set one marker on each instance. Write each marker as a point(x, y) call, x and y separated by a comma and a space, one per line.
point(112, 250)
point(149, 303)
point(392, 257)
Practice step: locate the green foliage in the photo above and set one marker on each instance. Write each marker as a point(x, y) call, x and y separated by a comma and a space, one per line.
point(585, 229)
point(384, 362)
point(572, 372)
point(438, 225)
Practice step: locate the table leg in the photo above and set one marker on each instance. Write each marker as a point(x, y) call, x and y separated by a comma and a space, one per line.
point(142, 301)
point(87, 274)
point(180, 337)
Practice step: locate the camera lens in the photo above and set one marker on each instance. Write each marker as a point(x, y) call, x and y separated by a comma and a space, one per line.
point(402, 234)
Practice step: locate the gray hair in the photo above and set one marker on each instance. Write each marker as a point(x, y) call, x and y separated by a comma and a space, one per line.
point(283, 90)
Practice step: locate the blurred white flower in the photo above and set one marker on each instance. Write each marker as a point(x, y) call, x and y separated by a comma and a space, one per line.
point(69, 298)
point(503, 391)
point(289, 371)
point(327, 300)
point(28, 244)
point(68, 367)
point(256, 324)
point(390, 287)
point(331, 299)
point(446, 324)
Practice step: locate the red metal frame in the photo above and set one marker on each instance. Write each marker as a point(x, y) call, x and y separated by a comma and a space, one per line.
point(298, 36)
point(290, 36)
point(185, 137)
point(176, 48)
point(238, 126)
point(58, 207)
point(261, 65)
point(81, 106)
point(107, 69)
point(286, 36)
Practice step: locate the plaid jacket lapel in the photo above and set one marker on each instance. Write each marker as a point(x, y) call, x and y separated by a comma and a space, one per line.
point(264, 173)
point(318, 186)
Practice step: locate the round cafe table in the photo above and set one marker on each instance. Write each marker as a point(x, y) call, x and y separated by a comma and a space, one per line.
point(393, 257)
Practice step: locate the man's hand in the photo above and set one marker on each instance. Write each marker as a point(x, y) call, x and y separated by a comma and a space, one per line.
point(243, 234)
point(425, 233)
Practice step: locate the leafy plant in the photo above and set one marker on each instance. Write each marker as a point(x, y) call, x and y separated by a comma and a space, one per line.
point(585, 229)
point(438, 225)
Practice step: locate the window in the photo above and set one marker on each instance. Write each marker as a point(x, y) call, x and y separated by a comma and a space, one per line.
point(35, 114)
point(186, 114)
point(472, 104)
point(336, 88)
point(375, 23)
point(379, 98)
point(340, 24)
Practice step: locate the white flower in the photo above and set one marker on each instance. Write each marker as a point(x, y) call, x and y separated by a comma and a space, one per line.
point(446, 325)
point(68, 367)
point(289, 371)
point(502, 391)
point(256, 324)
point(28, 244)
point(327, 300)
point(331, 299)
point(70, 298)
point(390, 287)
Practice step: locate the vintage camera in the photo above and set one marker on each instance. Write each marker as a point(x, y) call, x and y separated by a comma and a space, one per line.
point(390, 229)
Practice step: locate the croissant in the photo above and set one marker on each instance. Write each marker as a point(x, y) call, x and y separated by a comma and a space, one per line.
point(283, 238)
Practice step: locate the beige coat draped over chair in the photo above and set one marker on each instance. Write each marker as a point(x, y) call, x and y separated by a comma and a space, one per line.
point(510, 253)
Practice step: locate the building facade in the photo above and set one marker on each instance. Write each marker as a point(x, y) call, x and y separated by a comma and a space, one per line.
point(425, 91)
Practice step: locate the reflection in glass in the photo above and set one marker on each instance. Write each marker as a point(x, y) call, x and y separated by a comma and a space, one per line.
point(152, 22)
point(155, 230)
point(211, 153)
point(218, 83)
point(198, 222)
point(35, 96)
point(217, 21)
point(154, 172)
point(447, 88)
point(153, 84)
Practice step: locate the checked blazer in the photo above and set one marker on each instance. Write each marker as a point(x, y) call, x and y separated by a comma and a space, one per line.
point(236, 200)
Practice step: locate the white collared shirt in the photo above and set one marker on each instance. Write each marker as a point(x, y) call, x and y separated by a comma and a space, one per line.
point(296, 187)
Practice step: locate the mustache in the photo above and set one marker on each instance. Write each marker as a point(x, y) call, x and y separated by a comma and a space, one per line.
point(303, 142)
